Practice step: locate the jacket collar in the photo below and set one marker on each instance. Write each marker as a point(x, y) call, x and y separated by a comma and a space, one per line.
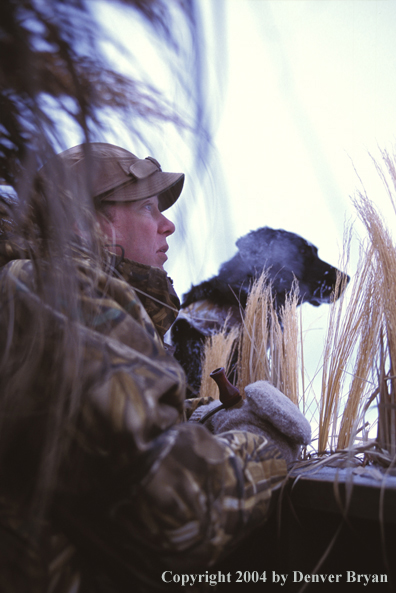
point(153, 286)
point(155, 290)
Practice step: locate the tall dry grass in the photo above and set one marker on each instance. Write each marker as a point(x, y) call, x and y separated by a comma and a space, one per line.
point(365, 336)
point(255, 339)
point(367, 316)
point(269, 342)
point(348, 356)
point(384, 263)
point(218, 352)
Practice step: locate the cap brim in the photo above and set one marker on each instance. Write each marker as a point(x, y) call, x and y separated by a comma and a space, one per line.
point(167, 198)
point(167, 186)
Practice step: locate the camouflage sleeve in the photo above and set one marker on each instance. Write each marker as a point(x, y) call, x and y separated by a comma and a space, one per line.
point(176, 497)
point(202, 494)
point(192, 403)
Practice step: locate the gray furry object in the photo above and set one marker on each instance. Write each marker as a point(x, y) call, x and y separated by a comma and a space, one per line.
point(266, 412)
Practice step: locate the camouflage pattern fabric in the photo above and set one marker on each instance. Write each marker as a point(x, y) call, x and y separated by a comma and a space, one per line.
point(156, 292)
point(140, 490)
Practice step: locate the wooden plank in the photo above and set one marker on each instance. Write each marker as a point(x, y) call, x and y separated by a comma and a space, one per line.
point(336, 490)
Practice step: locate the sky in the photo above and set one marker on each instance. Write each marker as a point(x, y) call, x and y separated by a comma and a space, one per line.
point(300, 94)
point(310, 91)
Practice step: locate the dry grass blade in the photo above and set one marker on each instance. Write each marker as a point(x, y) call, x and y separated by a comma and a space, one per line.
point(253, 362)
point(390, 164)
point(339, 346)
point(218, 352)
point(269, 341)
point(290, 343)
point(367, 316)
point(385, 265)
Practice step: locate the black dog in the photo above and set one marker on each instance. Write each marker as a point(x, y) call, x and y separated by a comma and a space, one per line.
point(285, 257)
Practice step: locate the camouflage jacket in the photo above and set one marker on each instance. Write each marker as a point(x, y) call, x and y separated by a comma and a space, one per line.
point(141, 491)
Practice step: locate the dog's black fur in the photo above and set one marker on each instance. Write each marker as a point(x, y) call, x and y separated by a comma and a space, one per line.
point(285, 256)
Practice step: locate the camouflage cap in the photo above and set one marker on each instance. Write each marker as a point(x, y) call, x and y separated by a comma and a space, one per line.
point(109, 168)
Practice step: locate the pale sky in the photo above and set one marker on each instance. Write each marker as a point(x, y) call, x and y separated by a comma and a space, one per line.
point(311, 87)
point(307, 91)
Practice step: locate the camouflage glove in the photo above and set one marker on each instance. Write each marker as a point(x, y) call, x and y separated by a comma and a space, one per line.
point(266, 412)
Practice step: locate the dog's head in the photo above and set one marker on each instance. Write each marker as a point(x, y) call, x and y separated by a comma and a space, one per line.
point(287, 256)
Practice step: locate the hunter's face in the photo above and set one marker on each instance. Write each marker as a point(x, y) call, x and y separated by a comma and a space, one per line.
point(141, 229)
